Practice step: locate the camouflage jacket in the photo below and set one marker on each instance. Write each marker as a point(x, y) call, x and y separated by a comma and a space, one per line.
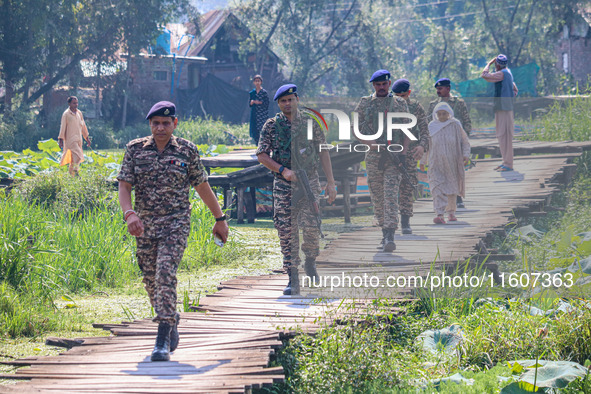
point(460, 109)
point(368, 109)
point(279, 137)
point(161, 182)
point(421, 130)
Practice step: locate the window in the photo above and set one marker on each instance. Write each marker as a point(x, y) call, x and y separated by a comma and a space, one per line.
point(160, 75)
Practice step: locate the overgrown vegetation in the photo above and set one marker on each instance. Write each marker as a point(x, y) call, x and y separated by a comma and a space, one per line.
point(476, 333)
point(568, 119)
point(61, 235)
point(383, 352)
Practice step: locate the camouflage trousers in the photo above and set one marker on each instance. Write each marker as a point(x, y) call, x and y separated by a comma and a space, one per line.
point(383, 180)
point(406, 198)
point(289, 218)
point(159, 259)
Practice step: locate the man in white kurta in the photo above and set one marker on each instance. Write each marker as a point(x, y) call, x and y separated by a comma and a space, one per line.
point(72, 130)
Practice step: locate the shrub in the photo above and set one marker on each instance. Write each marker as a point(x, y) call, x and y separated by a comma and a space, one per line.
point(65, 194)
point(211, 132)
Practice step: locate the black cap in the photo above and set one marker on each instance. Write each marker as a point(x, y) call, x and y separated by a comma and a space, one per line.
point(401, 85)
point(162, 108)
point(443, 82)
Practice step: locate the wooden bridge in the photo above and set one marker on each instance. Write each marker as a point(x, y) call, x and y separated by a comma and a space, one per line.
point(227, 346)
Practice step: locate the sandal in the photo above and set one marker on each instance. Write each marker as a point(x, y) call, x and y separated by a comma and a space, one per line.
point(497, 167)
point(439, 220)
point(452, 218)
point(505, 168)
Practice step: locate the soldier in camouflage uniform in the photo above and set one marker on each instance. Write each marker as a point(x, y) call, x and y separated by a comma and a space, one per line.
point(383, 176)
point(401, 88)
point(162, 168)
point(284, 148)
point(461, 113)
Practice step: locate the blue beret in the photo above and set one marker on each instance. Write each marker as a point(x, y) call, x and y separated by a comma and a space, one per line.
point(443, 82)
point(285, 90)
point(502, 60)
point(162, 108)
point(380, 75)
point(400, 86)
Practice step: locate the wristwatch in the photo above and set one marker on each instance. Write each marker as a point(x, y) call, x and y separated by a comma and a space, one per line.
point(222, 218)
point(280, 172)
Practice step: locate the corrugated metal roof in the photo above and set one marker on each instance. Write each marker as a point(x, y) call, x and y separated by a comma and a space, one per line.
point(211, 22)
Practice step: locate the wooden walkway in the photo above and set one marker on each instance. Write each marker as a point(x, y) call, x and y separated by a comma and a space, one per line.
point(227, 346)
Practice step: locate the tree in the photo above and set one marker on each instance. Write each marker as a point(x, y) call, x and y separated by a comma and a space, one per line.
point(319, 41)
point(42, 41)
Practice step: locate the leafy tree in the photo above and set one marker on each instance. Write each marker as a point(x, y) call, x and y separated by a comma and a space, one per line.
point(42, 41)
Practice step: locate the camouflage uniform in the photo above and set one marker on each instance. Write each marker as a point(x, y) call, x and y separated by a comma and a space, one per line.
point(162, 182)
point(406, 198)
point(383, 178)
point(278, 139)
point(460, 109)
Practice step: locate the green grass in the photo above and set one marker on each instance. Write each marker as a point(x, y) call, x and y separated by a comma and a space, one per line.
point(377, 351)
point(64, 236)
point(568, 120)
point(213, 132)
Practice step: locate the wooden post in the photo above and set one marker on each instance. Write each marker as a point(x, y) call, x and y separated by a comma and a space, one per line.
point(346, 198)
point(240, 204)
point(228, 199)
point(251, 210)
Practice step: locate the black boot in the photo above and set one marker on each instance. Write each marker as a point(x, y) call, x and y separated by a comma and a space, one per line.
point(310, 269)
point(384, 232)
point(389, 245)
point(287, 289)
point(174, 333)
point(162, 349)
point(460, 202)
point(405, 224)
point(293, 286)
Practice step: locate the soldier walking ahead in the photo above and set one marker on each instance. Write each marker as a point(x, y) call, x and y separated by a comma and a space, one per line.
point(162, 168)
point(401, 88)
point(383, 176)
point(283, 147)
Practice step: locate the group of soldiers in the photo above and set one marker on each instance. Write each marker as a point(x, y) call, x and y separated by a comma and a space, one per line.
point(161, 168)
point(283, 145)
point(391, 192)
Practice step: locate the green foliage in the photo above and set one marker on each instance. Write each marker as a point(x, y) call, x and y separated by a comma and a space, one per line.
point(60, 192)
point(37, 37)
point(212, 132)
point(65, 235)
point(381, 352)
point(565, 120)
point(20, 165)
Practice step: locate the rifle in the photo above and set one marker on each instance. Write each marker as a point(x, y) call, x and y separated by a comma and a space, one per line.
point(398, 162)
point(305, 190)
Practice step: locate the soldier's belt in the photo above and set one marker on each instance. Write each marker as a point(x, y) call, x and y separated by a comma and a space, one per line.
point(163, 212)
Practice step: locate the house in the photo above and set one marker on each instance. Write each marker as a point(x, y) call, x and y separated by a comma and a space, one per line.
point(208, 75)
point(573, 49)
point(221, 40)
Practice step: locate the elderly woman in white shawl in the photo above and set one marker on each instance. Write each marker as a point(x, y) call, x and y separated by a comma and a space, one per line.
point(448, 153)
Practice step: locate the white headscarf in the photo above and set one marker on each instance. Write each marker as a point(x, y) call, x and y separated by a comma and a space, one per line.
point(435, 126)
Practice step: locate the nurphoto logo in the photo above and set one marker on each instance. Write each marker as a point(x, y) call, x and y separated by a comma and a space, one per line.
point(392, 124)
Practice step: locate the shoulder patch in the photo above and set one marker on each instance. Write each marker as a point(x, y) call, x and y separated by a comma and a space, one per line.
point(137, 141)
